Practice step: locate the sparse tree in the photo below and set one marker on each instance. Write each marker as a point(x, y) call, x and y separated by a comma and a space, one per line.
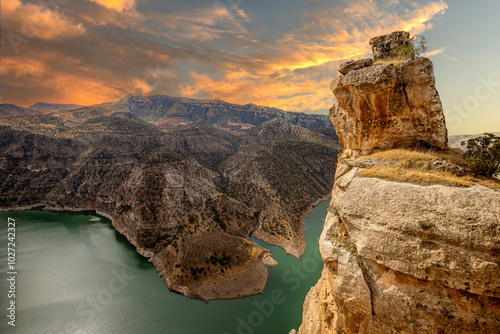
point(416, 47)
point(484, 154)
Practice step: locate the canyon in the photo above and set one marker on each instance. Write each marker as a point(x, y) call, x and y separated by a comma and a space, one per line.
point(187, 182)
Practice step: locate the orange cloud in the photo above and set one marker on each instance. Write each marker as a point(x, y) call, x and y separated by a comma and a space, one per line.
point(204, 53)
point(59, 87)
point(296, 76)
point(418, 24)
point(36, 21)
point(118, 5)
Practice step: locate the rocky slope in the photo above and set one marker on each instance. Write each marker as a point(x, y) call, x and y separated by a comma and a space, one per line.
point(188, 198)
point(403, 257)
point(42, 106)
point(169, 112)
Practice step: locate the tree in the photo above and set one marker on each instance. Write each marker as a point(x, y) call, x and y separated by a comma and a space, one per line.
point(416, 47)
point(484, 154)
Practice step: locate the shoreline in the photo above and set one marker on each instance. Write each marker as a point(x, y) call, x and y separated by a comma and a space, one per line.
point(257, 274)
point(260, 269)
point(286, 245)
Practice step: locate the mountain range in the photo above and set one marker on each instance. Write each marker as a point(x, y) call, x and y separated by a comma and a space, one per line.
point(186, 181)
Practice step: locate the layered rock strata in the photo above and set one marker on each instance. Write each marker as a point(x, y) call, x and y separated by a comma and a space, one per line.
point(383, 107)
point(405, 258)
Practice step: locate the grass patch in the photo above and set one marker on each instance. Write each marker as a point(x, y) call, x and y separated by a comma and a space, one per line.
point(490, 184)
point(395, 61)
point(419, 158)
point(415, 166)
point(404, 174)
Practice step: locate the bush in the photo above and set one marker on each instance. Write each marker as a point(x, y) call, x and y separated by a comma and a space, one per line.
point(416, 47)
point(484, 154)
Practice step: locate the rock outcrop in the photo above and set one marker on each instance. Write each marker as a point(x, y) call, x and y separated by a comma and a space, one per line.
point(384, 106)
point(402, 257)
point(407, 258)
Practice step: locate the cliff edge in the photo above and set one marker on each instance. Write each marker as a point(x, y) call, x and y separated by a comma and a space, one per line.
point(402, 255)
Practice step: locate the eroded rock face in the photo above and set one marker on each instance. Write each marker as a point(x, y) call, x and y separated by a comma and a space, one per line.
point(400, 257)
point(383, 107)
point(407, 258)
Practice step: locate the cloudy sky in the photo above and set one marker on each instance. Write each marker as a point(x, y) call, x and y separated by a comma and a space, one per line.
point(281, 53)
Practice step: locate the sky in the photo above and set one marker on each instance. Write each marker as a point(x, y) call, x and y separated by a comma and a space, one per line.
point(280, 53)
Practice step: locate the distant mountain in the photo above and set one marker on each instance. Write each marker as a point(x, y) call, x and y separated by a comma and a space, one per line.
point(7, 110)
point(42, 106)
point(168, 112)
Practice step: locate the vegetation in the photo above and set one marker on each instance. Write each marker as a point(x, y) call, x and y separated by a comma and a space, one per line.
point(419, 158)
point(416, 166)
point(416, 47)
point(484, 154)
point(404, 174)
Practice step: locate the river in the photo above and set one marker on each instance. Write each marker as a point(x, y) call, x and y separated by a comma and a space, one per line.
point(75, 274)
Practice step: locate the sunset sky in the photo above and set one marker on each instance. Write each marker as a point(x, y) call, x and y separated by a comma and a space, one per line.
point(280, 53)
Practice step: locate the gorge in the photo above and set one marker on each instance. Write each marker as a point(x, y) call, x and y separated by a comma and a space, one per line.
point(185, 181)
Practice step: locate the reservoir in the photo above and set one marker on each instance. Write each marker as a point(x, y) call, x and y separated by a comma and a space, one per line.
point(76, 274)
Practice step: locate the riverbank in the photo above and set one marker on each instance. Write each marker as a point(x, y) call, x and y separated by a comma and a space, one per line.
point(247, 279)
point(71, 259)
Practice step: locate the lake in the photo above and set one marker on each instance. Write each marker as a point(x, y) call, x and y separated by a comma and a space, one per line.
point(76, 274)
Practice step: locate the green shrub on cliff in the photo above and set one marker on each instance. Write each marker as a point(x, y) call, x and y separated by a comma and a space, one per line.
point(416, 47)
point(484, 154)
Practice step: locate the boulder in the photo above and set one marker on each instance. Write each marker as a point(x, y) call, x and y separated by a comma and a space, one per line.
point(352, 65)
point(384, 107)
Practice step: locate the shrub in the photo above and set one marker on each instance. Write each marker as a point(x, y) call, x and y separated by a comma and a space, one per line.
point(416, 47)
point(484, 154)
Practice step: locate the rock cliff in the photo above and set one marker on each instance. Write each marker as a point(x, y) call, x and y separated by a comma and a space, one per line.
point(402, 257)
point(383, 106)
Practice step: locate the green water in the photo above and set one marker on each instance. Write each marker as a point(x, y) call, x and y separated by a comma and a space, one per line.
point(76, 274)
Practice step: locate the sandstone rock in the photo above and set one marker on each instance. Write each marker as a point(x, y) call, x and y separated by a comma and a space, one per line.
point(399, 257)
point(352, 65)
point(268, 260)
point(437, 233)
point(386, 46)
point(417, 259)
point(382, 107)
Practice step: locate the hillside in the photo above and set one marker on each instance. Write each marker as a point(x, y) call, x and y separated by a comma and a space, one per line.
point(168, 112)
point(42, 106)
point(7, 110)
point(188, 198)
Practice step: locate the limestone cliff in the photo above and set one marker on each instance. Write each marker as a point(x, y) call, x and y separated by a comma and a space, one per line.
point(381, 106)
point(402, 257)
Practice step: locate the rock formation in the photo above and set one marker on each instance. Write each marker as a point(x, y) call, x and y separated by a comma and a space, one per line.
point(402, 257)
point(382, 106)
